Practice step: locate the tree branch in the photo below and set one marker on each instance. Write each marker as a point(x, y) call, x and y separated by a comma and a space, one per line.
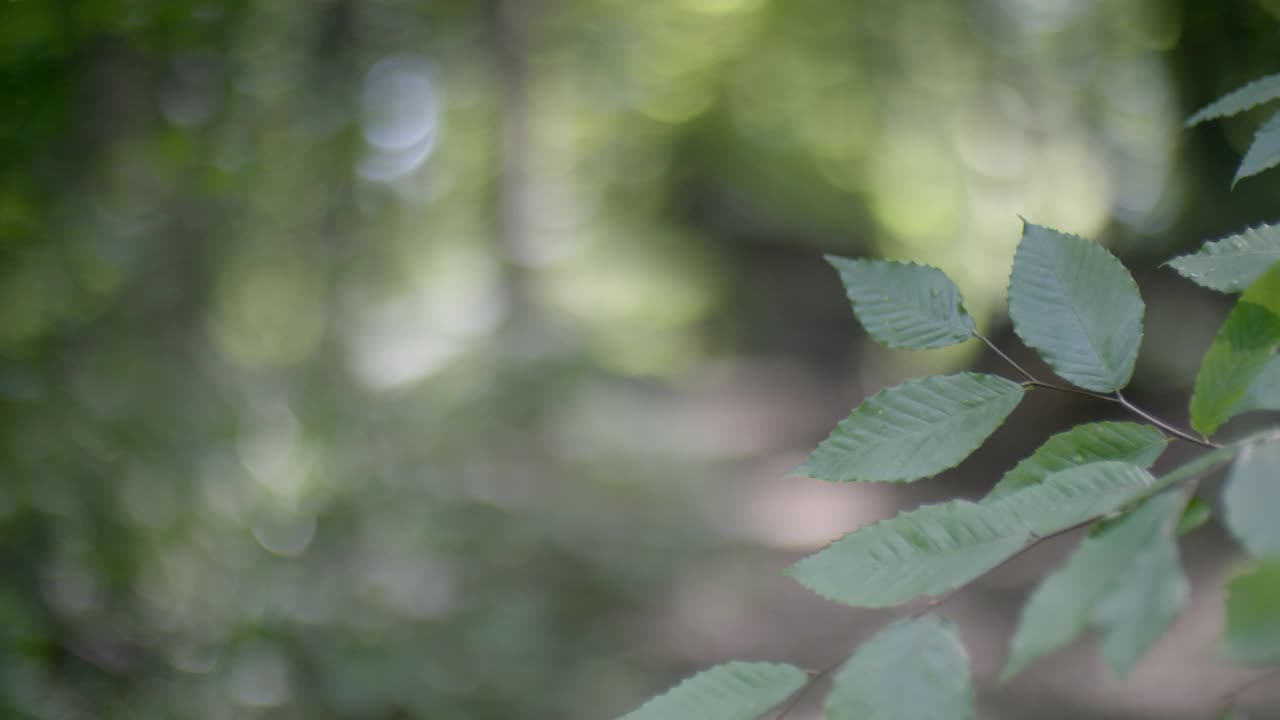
point(1007, 359)
point(1189, 471)
point(814, 677)
point(1162, 425)
point(1033, 382)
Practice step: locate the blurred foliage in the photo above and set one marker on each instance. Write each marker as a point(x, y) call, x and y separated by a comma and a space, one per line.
point(327, 330)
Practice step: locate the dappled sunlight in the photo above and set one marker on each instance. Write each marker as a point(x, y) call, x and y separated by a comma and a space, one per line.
point(412, 335)
point(399, 118)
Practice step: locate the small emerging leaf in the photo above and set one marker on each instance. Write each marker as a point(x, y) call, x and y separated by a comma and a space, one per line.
point(1251, 497)
point(1076, 305)
point(1232, 263)
point(1125, 441)
point(734, 691)
point(1263, 153)
point(1240, 352)
point(913, 669)
point(1237, 101)
point(1076, 495)
point(1253, 614)
point(1068, 600)
point(904, 305)
point(926, 551)
point(1196, 515)
point(914, 430)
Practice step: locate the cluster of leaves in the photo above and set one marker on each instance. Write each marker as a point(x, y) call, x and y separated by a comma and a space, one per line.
point(1078, 307)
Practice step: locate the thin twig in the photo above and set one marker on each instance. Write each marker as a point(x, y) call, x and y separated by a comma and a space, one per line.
point(1007, 359)
point(1033, 382)
point(1163, 425)
point(1035, 540)
point(1189, 472)
point(814, 677)
point(1071, 390)
point(1228, 699)
point(941, 600)
point(937, 603)
point(934, 605)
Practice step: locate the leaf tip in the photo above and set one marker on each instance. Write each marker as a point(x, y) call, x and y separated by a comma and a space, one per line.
point(1201, 422)
point(1010, 670)
point(803, 470)
point(838, 262)
point(797, 571)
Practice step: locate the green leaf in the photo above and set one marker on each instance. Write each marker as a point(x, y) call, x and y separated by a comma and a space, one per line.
point(1237, 101)
point(1264, 393)
point(1143, 603)
point(1076, 495)
point(1251, 498)
point(926, 551)
point(1077, 306)
point(915, 669)
point(1253, 614)
point(904, 305)
point(1066, 602)
point(1232, 263)
point(1081, 445)
point(1197, 514)
point(1263, 153)
point(1240, 352)
point(915, 429)
point(733, 691)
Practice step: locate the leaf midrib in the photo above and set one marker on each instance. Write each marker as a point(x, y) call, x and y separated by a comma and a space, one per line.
point(929, 429)
point(1058, 279)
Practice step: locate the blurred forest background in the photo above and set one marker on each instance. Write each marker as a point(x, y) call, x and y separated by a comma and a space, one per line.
point(445, 358)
